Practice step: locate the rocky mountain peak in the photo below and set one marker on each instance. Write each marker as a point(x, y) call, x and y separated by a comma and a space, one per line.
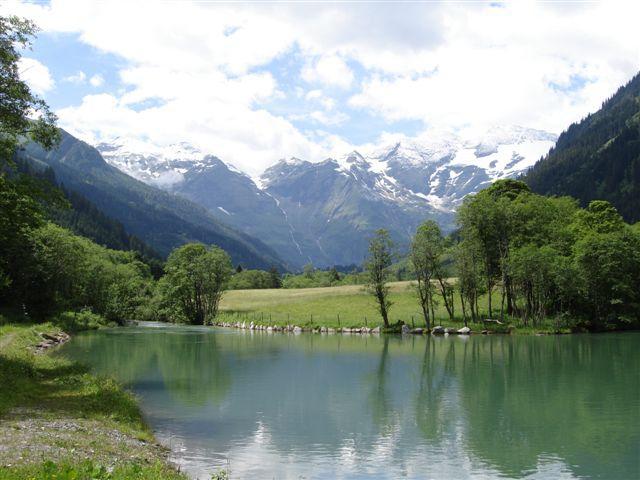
point(313, 211)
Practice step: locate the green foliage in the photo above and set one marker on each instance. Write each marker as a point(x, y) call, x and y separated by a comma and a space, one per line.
point(253, 279)
point(314, 278)
point(45, 268)
point(549, 258)
point(377, 267)
point(79, 321)
point(220, 475)
point(195, 279)
point(71, 272)
point(427, 248)
point(608, 271)
point(19, 105)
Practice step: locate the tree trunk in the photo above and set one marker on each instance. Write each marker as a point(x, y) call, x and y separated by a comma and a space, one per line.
point(433, 314)
point(445, 297)
point(464, 312)
point(502, 302)
point(425, 312)
point(383, 308)
point(489, 285)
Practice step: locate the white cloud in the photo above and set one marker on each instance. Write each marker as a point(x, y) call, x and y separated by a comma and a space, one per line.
point(329, 70)
point(36, 75)
point(249, 138)
point(205, 68)
point(96, 80)
point(325, 118)
point(313, 94)
point(78, 78)
point(522, 64)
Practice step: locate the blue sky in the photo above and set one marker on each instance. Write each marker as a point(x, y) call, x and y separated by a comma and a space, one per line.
point(253, 83)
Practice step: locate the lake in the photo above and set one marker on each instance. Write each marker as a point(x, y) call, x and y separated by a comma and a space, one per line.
point(317, 406)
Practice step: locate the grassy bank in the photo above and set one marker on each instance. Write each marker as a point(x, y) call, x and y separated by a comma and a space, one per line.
point(351, 306)
point(59, 421)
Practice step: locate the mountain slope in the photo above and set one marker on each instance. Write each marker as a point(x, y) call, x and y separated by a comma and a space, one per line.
point(599, 157)
point(325, 211)
point(82, 217)
point(334, 211)
point(161, 219)
point(234, 198)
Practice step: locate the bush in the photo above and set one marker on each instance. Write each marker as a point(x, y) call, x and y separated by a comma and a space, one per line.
point(78, 321)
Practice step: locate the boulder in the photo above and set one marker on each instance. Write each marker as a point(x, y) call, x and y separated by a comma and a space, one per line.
point(417, 331)
point(405, 329)
point(297, 329)
point(331, 330)
point(450, 331)
point(439, 330)
point(464, 331)
point(375, 330)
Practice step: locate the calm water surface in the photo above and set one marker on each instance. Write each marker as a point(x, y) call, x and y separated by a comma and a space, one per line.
point(317, 406)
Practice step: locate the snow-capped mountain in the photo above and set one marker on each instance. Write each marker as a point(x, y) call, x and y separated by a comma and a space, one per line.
point(153, 165)
point(324, 211)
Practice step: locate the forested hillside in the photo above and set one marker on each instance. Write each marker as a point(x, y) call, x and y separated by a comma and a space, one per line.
point(162, 220)
point(71, 210)
point(599, 157)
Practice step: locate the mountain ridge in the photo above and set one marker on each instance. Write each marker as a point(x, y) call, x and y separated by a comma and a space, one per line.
point(322, 212)
point(161, 219)
point(598, 158)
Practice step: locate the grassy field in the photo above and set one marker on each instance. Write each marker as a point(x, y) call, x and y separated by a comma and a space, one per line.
point(343, 306)
point(59, 421)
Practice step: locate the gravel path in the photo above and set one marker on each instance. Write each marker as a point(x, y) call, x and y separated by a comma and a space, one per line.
point(28, 436)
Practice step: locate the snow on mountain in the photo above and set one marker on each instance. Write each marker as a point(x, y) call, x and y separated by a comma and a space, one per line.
point(439, 170)
point(159, 166)
point(322, 211)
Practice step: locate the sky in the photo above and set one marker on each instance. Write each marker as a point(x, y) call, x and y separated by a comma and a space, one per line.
point(256, 82)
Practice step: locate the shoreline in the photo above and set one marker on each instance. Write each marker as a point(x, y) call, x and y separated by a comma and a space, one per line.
point(58, 419)
point(438, 330)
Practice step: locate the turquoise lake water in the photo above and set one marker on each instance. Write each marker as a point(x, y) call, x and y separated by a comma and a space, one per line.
point(366, 407)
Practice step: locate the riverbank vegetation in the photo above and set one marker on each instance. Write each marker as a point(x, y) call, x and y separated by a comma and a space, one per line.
point(547, 258)
point(59, 421)
point(544, 259)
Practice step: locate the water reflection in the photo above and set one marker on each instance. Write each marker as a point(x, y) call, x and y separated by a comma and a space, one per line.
point(312, 406)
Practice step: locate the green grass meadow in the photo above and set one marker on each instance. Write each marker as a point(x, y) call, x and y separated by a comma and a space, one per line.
point(348, 306)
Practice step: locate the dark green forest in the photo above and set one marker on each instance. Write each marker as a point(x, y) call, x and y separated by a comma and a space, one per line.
point(72, 210)
point(599, 157)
